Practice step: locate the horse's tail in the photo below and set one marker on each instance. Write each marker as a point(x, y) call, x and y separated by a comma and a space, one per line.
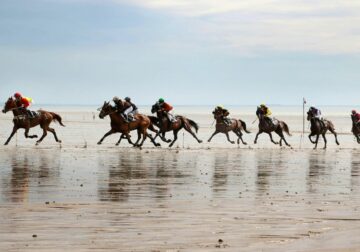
point(243, 124)
point(57, 118)
point(330, 125)
point(194, 125)
point(286, 129)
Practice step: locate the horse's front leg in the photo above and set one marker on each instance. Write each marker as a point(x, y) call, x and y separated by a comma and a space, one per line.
point(257, 135)
point(316, 141)
point(106, 135)
point(27, 134)
point(271, 138)
point(311, 135)
point(228, 138)
point(325, 141)
point(11, 135)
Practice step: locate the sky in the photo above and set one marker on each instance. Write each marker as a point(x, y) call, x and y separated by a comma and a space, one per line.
point(190, 52)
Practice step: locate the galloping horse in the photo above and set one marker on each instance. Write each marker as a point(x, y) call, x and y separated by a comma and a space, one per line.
point(162, 122)
point(119, 125)
point(267, 127)
point(355, 128)
point(317, 129)
point(21, 120)
point(236, 126)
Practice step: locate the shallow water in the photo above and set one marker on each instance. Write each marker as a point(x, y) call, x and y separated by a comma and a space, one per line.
point(79, 196)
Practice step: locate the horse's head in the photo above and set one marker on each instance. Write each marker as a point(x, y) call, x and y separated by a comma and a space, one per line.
point(217, 113)
point(9, 105)
point(155, 108)
point(310, 115)
point(105, 110)
point(259, 112)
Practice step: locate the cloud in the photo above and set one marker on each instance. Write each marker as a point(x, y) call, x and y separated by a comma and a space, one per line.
point(250, 26)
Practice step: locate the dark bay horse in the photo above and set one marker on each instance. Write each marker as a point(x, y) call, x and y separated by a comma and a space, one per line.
point(22, 121)
point(355, 128)
point(118, 125)
point(265, 126)
point(317, 129)
point(236, 126)
point(164, 125)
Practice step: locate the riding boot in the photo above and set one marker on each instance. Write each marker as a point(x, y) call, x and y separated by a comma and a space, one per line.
point(125, 118)
point(30, 115)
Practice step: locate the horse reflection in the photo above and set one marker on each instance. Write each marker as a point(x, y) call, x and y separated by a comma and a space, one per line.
point(29, 170)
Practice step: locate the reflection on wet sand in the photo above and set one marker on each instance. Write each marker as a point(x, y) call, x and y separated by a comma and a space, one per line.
point(159, 200)
point(137, 175)
point(29, 172)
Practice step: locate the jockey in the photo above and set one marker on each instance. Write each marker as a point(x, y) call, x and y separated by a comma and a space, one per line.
point(225, 113)
point(130, 110)
point(316, 112)
point(166, 107)
point(356, 116)
point(23, 103)
point(317, 115)
point(267, 114)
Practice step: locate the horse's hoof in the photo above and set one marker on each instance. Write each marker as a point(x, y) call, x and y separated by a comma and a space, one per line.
point(232, 142)
point(99, 143)
point(200, 141)
point(37, 143)
point(117, 144)
point(244, 143)
point(6, 143)
point(59, 141)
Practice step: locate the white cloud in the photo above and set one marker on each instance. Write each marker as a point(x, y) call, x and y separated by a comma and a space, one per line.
point(322, 26)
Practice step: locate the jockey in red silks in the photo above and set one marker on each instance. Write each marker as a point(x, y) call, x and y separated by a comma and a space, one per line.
point(167, 108)
point(356, 116)
point(23, 102)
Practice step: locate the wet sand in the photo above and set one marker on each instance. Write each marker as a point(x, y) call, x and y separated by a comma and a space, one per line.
point(82, 197)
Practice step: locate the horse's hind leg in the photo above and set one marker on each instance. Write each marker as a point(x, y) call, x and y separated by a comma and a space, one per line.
point(188, 129)
point(144, 134)
point(54, 133)
point(42, 137)
point(139, 137)
point(282, 138)
point(11, 135)
point(325, 141)
point(336, 140)
point(271, 138)
point(175, 137)
point(27, 134)
point(240, 134)
point(153, 140)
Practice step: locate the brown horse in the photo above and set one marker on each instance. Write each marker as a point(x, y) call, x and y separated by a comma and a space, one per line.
point(317, 128)
point(22, 120)
point(355, 128)
point(119, 125)
point(236, 126)
point(163, 123)
point(266, 126)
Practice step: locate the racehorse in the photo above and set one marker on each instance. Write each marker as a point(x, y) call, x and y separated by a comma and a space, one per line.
point(266, 126)
point(164, 125)
point(119, 125)
point(355, 128)
point(317, 128)
point(22, 121)
point(235, 126)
